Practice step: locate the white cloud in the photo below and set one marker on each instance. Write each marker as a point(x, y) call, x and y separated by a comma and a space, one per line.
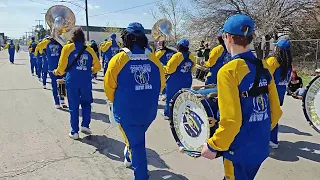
point(145, 14)
point(2, 5)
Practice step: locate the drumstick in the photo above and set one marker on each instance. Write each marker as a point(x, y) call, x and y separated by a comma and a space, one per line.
point(203, 86)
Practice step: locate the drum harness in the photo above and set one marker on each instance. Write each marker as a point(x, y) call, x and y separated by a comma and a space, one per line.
point(76, 59)
point(260, 71)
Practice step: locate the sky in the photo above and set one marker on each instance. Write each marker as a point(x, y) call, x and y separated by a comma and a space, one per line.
point(18, 16)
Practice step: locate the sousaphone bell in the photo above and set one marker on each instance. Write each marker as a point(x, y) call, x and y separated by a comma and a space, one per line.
point(61, 20)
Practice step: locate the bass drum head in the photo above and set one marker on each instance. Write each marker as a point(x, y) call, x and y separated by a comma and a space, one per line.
point(311, 103)
point(189, 121)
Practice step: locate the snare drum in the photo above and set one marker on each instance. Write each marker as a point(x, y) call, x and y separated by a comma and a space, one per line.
point(62, 87)
point(201, 73)
point(189, 120)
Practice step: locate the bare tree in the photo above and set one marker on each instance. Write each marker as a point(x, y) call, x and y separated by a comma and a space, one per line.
point(271, 17)
point(174, 11)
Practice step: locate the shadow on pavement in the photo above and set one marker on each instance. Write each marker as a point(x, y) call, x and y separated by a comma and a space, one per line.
point(113, 149)
point(98, 90)
point(161, 106)
point(18, 64)
point(99, 101)
point(291, 152)
point(287, 129)
point(163, 174)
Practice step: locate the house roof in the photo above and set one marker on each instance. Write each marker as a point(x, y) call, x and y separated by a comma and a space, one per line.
point(102, 29)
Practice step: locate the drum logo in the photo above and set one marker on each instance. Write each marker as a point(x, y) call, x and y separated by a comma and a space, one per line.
point(141, 76)
point(82, 62)
point(192, 122)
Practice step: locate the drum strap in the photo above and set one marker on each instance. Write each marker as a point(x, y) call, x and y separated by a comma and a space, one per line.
point(76, 58)
point(260, 71)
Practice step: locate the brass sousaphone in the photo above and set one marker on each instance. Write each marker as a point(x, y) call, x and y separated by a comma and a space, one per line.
point(161, 31)
point(61, 20)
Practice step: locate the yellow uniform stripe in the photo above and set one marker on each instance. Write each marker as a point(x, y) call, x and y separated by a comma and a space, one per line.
point(215, 54)
point(228, 169)
point(126, 140)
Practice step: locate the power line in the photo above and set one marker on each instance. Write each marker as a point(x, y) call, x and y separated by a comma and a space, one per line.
point(125, 9)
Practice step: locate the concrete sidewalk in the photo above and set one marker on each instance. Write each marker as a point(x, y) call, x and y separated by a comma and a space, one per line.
point(35, 143)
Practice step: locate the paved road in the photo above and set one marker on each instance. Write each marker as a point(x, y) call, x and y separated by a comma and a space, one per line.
point(35, 143)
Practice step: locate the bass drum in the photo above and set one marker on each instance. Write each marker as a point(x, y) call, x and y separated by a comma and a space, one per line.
point(190, 113)
point(311, 103)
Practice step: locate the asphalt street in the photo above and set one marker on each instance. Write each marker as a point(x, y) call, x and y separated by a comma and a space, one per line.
point(35, 143)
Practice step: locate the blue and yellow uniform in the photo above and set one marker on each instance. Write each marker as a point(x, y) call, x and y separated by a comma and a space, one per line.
point(78, 81)
point(33, 58)
point(281, 83)
point(179, 69)
point(249, 108)
point(109, 49)
point(42, 50)
point(165, 55)
point(217, 58)
point(39, 54)
point(134, 75)
point(52, 49)
point(11, 50)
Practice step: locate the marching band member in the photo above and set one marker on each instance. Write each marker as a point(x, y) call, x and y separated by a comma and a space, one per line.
point(134, 75)
point(33, 58)
point(280, 67)
point(52, 49)
point(100, 48)
point(78, 62)
point(94, 46)
point(179, 69)
point(249, 105)
point(38, 53)
point(217, 58)
point(109, 49)
point(164, 53)
point(11, 50)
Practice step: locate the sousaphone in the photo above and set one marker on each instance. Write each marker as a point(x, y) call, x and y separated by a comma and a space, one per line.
point(161, 31)
point(61, 20)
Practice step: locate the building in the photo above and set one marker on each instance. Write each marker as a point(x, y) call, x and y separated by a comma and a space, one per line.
point(2, 39)
point(100, 33)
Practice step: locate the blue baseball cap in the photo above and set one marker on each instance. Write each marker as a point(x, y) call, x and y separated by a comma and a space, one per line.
point(113, 36)
point(284, 44)
point(135, 26)
point(183, 42)
point(32, 38)
point(239, 24)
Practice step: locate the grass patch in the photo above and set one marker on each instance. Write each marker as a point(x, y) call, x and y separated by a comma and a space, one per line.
point(305, 78)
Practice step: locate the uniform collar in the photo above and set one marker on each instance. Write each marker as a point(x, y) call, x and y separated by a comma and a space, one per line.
point(245, 55)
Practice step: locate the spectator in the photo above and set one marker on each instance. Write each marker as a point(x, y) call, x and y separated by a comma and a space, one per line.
point(299, 93)
point(295, 83)
point(206, 52)
point(200, 52)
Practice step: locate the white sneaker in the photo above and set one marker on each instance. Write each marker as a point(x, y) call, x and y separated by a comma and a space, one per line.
point(85, 130)
point(127, 163)
point(44, 87)
point(58, 106)
point(74, 136)
point(273, 145)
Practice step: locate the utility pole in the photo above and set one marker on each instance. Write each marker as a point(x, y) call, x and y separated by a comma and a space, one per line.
point(87, 19)
point(26, 37)
point(39, 22)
